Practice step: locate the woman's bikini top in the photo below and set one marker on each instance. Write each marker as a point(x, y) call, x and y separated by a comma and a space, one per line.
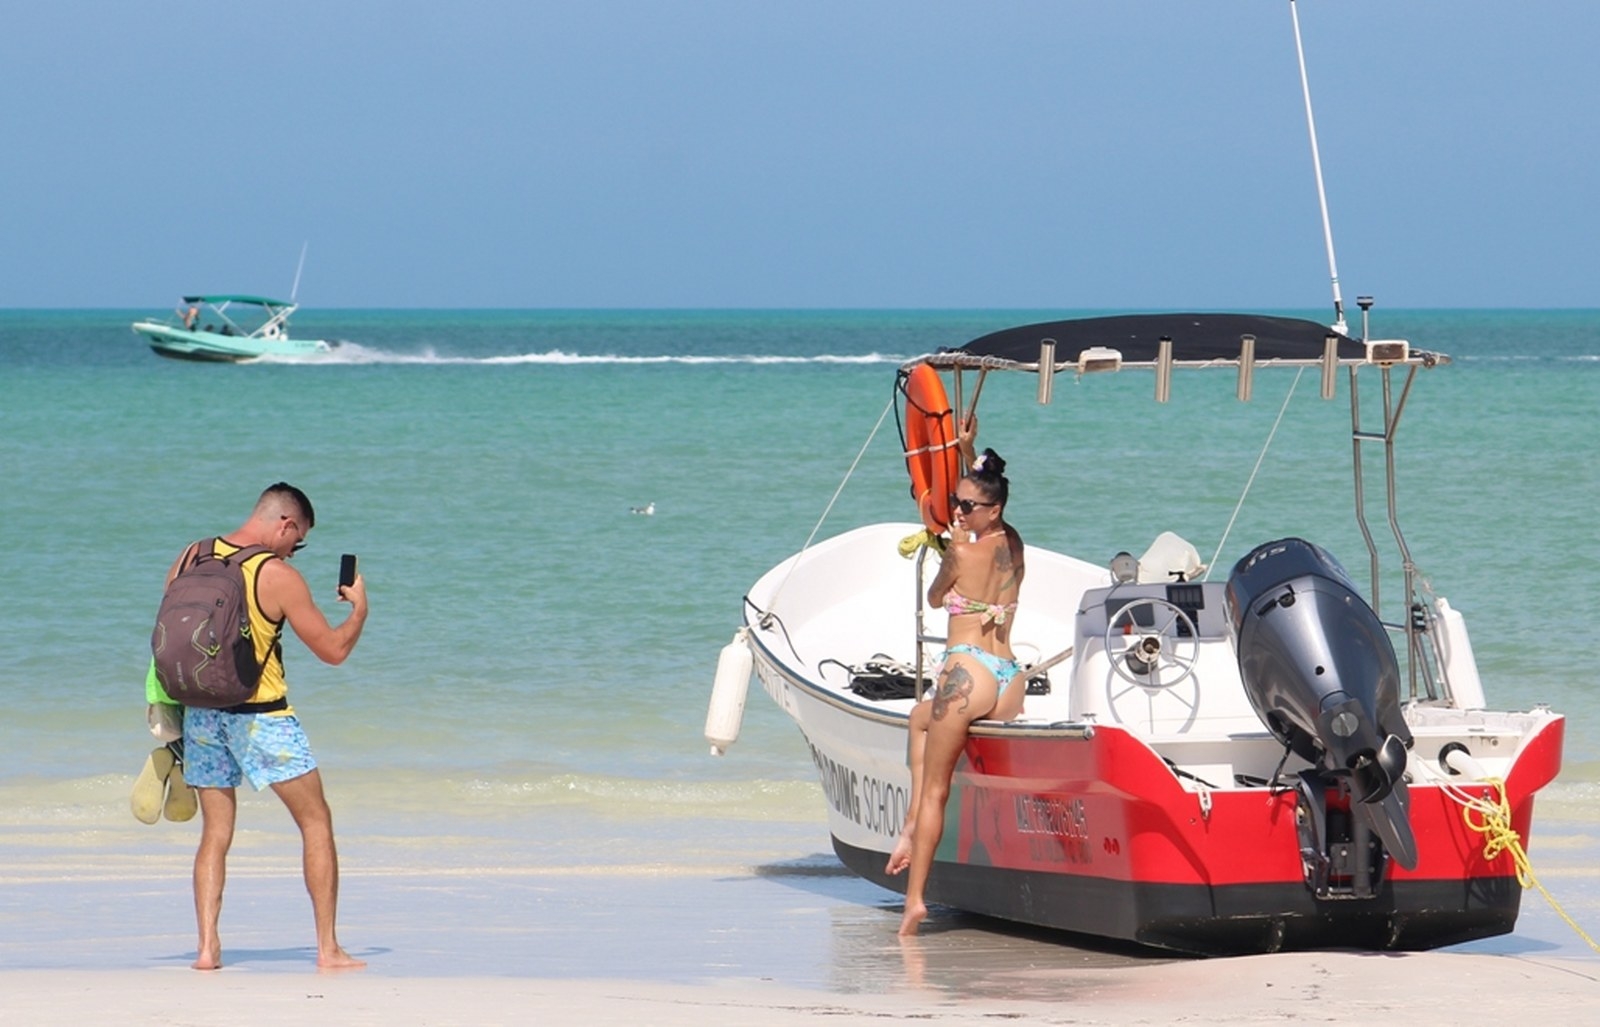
point(957, 604)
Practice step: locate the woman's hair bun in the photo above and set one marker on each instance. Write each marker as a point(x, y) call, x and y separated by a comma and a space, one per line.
point(989, 464)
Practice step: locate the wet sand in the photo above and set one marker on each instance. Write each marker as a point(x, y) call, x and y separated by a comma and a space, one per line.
point(780, 943)
point(96, 925)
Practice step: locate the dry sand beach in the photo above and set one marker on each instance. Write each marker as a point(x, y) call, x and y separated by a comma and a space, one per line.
point(1428, 988)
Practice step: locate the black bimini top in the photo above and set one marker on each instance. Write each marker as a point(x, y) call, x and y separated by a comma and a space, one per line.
point(1197, 339)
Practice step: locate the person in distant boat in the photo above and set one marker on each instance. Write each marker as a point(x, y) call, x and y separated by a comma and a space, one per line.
point(190, 316)
point(262, 740)
point(978, 582)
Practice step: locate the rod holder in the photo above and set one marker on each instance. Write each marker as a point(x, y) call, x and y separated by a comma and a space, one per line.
point(1247, 367)
point(1163, 370)
point(1330, 365)
point(1047, 370)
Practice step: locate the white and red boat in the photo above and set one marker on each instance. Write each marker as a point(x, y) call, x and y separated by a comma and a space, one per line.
point(1238, 765)
point(1248, 764)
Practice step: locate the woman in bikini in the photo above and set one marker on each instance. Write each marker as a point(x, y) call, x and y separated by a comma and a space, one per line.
point(977, 585)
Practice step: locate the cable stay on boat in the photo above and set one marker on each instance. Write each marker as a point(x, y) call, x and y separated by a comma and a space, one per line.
point(1253, 472)
point(1316, 164)
point(294, 290)
point(772, 604)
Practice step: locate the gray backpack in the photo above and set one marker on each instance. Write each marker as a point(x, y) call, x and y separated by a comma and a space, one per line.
point(205, 654)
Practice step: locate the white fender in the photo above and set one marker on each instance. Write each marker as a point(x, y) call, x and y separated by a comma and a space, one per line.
point(728, 692)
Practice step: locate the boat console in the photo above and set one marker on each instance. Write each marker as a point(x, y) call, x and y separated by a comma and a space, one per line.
point(1158, 659)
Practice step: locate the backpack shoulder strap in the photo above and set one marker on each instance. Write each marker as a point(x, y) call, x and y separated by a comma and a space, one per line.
point(241, 554)
point(252, 553)
point(260, 556)
point(196, 552)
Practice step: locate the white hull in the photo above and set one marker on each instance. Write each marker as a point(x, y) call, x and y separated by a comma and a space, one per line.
point(183, 344)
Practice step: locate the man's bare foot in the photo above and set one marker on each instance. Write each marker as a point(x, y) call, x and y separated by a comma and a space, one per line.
point(339, 959)
point(207, 961)
point(913, 918)
point(900, 858)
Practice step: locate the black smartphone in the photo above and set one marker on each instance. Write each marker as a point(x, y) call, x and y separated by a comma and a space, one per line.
point(347, 570)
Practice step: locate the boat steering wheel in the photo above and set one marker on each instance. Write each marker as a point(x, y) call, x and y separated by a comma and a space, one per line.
point(1149, 663)
point(1158, 656)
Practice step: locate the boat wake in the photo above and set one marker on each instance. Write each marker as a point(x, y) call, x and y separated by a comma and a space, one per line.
point(1530, 358)
point(355, 353)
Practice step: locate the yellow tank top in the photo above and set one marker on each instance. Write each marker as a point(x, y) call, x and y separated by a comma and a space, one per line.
point(266, 632)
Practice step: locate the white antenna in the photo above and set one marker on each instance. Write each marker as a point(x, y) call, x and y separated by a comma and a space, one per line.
point(301, 266)
point(1316, 163)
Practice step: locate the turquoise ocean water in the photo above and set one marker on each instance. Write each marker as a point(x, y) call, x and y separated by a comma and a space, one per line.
point(532, 683)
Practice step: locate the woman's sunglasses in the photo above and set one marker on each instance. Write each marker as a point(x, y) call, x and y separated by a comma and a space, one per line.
point(966, 506)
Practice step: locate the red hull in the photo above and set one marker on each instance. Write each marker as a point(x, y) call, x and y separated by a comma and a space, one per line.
point(1098, 836)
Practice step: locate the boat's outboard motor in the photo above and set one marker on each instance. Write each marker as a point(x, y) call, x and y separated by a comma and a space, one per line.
point(1320, 671)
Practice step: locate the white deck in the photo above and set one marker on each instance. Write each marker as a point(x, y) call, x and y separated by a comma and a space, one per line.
point(853, 598)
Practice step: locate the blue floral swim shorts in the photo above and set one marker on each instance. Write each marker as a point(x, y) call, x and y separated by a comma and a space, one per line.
point(221, 749)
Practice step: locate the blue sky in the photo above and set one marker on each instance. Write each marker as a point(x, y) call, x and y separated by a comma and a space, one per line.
point(765, 153)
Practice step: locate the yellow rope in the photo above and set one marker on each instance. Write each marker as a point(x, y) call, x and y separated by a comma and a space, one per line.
point(909, 545)
point(1493, 821)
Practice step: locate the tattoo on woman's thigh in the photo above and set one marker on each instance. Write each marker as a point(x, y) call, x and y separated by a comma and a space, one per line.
point(955, 683)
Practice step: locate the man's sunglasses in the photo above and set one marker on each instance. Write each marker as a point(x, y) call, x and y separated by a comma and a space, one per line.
point(298, 545)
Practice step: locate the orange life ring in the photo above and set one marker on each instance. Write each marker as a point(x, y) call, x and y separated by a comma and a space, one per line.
point(932, 449)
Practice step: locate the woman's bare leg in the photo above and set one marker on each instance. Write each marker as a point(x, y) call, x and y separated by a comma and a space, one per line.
point(916, 744)
point(951, 712)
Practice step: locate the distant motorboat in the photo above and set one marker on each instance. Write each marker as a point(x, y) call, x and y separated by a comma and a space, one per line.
point(228, 329)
